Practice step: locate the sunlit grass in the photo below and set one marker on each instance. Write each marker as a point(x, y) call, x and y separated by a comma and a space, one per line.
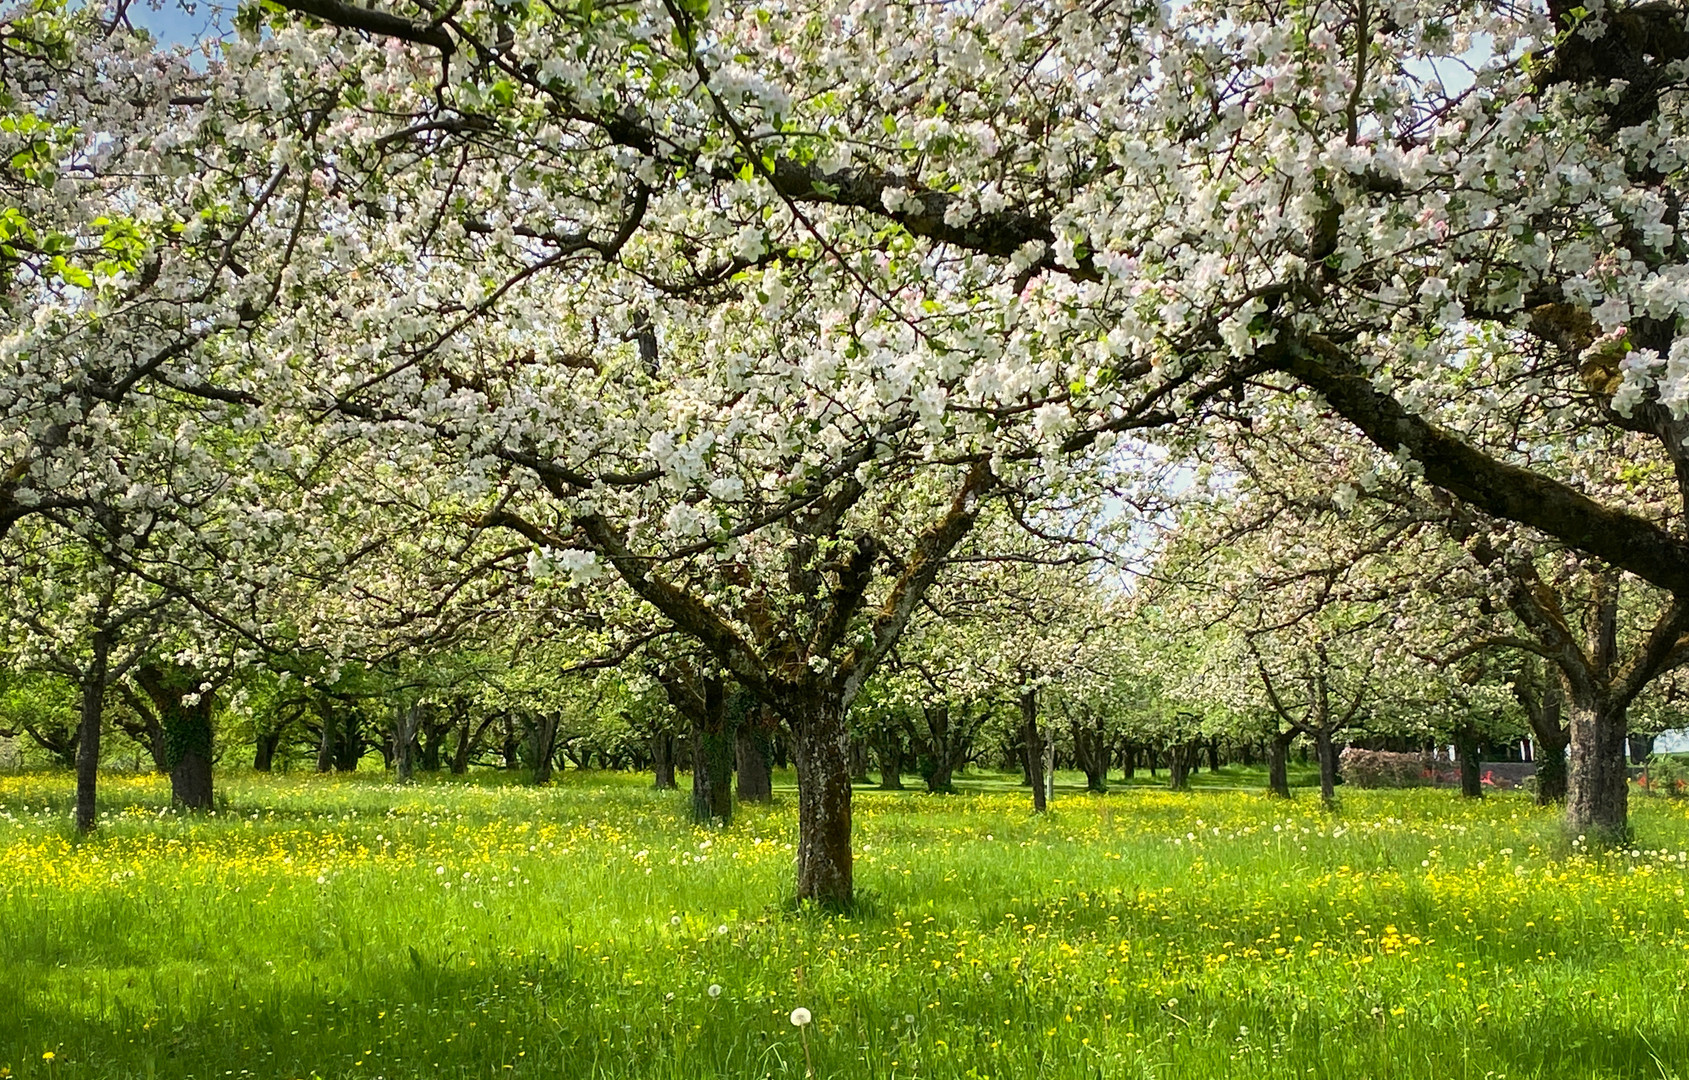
point(349, 927)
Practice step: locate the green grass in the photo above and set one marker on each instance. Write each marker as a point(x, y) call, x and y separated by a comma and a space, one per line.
point(345, 927)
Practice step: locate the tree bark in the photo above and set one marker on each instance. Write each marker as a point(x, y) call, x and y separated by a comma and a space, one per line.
point(1213, 755)
point(889, 749)
point(1471, 777)
point(1641, 748)
point(326, 738)
point(467, 737)
point(264, 750)
point(1325, 748)
point(1091, 751)
point(1547, 724)
point(1183, 759)
point(858, 761)
point(662, 760)
point(754, 755)
point(349, 743)
point(1597, 790)
point(945, 747)
point(88, 739)
point(1128, 762)
point(712, 756)
point(1278, 764)
point(1034, 740)
point(822, 747)
point(542, 744)
point(406, 720)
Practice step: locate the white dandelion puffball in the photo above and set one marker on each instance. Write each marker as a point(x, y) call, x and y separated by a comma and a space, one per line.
point(800, 1016)
point(714, 990)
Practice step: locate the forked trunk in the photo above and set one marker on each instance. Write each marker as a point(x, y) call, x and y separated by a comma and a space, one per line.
point(1597, 790)
point(1091, 752)
point(822, 749)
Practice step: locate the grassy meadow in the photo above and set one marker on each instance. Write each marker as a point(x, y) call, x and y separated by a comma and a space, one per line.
point(346, 927)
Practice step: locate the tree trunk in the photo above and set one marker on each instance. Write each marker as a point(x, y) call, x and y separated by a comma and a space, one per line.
point(754, 754)
point(264, 750)
point(1471, 776)
point(1034, 740)
point(889, 749)
point(542, 745)
point(712, 757)
point(326, 740)
point(510, 746)
point(467, 736)
point(1278, 764)
point(1213, 755)
point(942, 751)
point(158, 744)
point(1182, 760)
point(1641, 748)
point(186, 728)
point(1091, 751)
point(88, 740)
point(1597, 790)
point(822, 748)
point(858, 761)
point(432, 734)
point(1128, 762)
point(1326, 749)
point(349, 744)
point(662, 760)
point(1551, 769)
point(406, 720)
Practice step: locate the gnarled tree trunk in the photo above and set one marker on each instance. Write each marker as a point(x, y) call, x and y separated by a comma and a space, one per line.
point(407, 720)
point(822, 748)
point(1597, 791)
point(187, 730)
